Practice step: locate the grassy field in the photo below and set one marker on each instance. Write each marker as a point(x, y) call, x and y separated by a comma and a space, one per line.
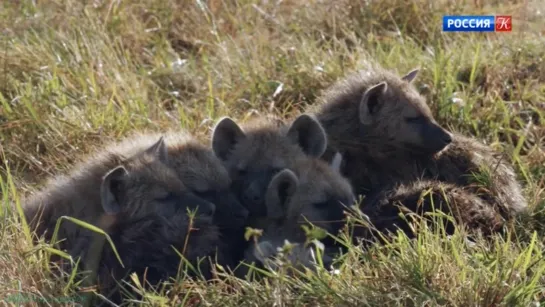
point(75, 74)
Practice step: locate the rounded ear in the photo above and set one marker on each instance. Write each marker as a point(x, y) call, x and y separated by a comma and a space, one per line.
point(159, 149)
point(336, 162)
point(280, 189)
point(309, 134)
point(371, 102)
point(411, 75)
point(110, 189)
point(225, 136)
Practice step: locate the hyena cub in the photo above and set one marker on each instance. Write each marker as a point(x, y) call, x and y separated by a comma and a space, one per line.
point(255, 153)
point(388, 136)
point(204, 175)
point(312, 192)
point(147, 202)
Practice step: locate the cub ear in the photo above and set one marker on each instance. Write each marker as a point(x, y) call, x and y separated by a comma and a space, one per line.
point(336, 162)
point(225, 136)
point(411, 75)
point(110, 189)
point(280, 189)
point(371, 102)
point(309, 134)
point(159, 149)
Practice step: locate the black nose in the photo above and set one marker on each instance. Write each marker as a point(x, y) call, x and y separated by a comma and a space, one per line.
point(447, 138)
point(441, 135)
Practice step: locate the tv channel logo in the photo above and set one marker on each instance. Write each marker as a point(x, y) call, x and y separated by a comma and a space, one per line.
point(489, 23)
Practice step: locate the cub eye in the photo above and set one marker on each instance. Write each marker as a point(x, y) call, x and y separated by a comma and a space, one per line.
point(204, 194)
point(242, 172)
point(165, 197)
point(321, 205)
point(414, 119)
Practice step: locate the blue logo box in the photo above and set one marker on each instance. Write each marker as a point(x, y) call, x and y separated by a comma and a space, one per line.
point(468, 23)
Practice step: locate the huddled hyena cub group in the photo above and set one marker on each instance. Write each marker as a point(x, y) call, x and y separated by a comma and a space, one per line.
point(371, 134)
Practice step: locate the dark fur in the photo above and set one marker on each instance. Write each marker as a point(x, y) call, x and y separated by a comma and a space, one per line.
point(255, 153)
point(151, 202)
point(204, 175)
point(148, 247)
point(312, 193)
point(422, 197)
point(395, 140)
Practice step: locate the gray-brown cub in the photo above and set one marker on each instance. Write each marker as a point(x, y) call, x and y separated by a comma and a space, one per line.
point(255, 153)
point(201, 172)
point(205, 176)
point(388, 136)
point(147, 202)
point(312, 193)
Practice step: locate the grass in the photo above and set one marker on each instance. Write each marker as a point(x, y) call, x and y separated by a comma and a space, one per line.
point(75, 74)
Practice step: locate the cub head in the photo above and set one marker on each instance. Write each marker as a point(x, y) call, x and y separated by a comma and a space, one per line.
point(254, 155)
point(395, 107)
point(389, 112)
point(313, 192)
point(145, 185)
point(319, 195)
point(205, 175)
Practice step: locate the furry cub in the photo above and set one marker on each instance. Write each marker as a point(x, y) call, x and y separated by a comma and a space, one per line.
point(388, 136)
